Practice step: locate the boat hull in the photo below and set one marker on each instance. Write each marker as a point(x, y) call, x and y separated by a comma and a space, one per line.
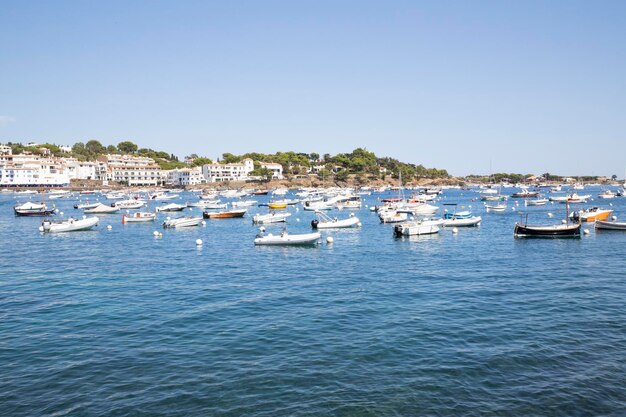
point(604, 225)
point(288, 240)
point(554, 231)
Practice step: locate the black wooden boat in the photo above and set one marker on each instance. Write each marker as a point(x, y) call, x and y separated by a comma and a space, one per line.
point(551, 231)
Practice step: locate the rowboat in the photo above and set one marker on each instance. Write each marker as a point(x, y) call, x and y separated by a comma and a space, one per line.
point(71, 225)
point(286, 239)
point(536, 202)
point(224, 214)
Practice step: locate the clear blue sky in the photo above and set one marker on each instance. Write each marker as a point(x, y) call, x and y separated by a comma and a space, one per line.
point(532, 86)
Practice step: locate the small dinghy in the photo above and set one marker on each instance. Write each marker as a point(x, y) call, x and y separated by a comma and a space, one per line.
point(286, 239)
point(224, 214)
point(71, 225)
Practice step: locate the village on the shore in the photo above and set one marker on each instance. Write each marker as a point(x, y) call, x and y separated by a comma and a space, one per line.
point(125, 165)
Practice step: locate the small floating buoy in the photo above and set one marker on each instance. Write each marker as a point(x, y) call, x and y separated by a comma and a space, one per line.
point(203, 223)
point(550, 214)
point(190, 208)
point(84, 217)
point(586, 231)
point(351, 214)
point(614, 218)
point(160, 234)
point(41, 228)
point(330, 239)
point(563, 221)
point(298, 219)
point(366, 206)
point(198, 242)
point(56, 210)
point(61, 213)
point(109, 227)
point(455, 230)
point(611, 204)
point(513, 208)
point(168, 218)
point(261, 229)
point(359, 224)
point(155, 233)
point(297, 209)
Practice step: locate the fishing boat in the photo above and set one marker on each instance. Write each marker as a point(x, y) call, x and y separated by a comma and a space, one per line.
point(138, 217)
point(172, 207)
point(286, 239)
point(183, 221)
point(552, 231)
point(352, 202)
point(260, 192)
point(325, 222)
point(224, 214)
point(71, 225)
point(417, 228)
point(102, 209)
point(270, 218)
point(563, 230)
point(610, 225)
point(591, 214)
point(496, 208)
point(162, 196)
point(33, 209)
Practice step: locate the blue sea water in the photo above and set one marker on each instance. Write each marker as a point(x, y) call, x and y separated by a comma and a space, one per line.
point(120, 323)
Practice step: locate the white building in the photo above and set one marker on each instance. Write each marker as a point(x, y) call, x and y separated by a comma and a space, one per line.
point(228, 172)
point(32, 170)
point(134, 175)
point(277, 169)
point(185, 176)
point(82, 170)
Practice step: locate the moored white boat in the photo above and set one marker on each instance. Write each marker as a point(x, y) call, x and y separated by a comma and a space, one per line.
point(71, 225)
point(270, 218)
point(497, 208)
point(462, 221)
point(536, 202)
point(184, 221)
point(138, 217)
point(417, 228)
point(610, 225)
point(33, 209)
point(286, 239)
point(325, 222)
point(102, 209)
point(171, 207)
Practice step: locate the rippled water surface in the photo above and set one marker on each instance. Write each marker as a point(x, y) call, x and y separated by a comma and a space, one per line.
point(119, 323)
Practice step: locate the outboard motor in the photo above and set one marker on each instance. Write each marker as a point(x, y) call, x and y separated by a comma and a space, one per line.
point(314, 223)
point(46, 224)
point(397, 230)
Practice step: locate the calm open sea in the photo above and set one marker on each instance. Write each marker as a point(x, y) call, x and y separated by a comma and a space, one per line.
point(120, 323)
